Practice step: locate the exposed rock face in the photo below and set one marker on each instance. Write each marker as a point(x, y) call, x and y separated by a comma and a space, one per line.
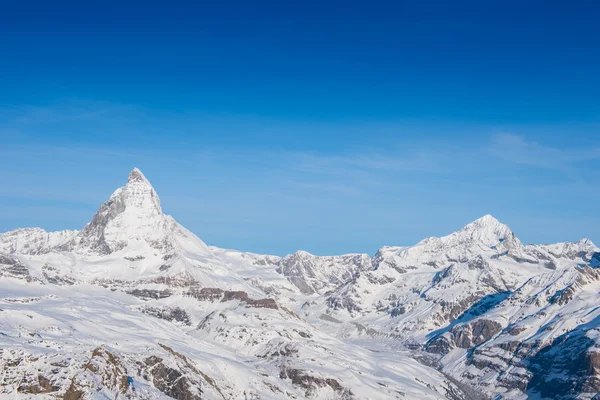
point(215, 294)
point(316, 274)
point(147, 294)
point(312, 383)
point(532, 346)
point(464, 336)
point(475, 333)
point(172, 383)
point(42, 386)
point(107, 373)
point(168, 313)
point(11, 266)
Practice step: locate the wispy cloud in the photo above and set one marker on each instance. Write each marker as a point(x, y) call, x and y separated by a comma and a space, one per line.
point(65, 111)
point(518, 150)
point(421, 160)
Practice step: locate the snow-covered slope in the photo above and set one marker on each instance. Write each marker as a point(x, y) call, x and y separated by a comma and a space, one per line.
point(85, 341)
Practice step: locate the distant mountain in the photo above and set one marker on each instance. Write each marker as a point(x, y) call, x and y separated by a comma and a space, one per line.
point(135, 306)
point(33, 241)
point(482, 307)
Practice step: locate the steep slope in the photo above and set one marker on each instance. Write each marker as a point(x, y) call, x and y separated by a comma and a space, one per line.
point(541, 340)
point(319, 274)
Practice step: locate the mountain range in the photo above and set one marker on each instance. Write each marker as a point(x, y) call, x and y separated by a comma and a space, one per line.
point(134, 305)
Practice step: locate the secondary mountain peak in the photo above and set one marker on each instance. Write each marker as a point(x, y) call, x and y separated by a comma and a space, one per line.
point(486, 231)
point(486, 223)
point(487, 219)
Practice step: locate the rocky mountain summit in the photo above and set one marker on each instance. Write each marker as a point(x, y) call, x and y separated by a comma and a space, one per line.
point(136, 306)
point(132, 216)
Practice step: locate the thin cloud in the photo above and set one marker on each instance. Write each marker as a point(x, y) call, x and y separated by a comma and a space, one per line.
point(367, 162)
point(63, 112)
point(518, 150)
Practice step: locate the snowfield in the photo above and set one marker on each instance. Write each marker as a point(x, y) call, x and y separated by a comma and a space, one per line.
point(136, 306)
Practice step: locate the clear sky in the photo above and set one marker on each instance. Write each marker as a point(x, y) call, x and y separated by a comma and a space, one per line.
point(325, 126)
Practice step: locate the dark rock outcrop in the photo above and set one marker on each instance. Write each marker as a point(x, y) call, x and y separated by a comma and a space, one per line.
point(168, 313)
point(148, 294)
point(311, 383)
point(215, 294)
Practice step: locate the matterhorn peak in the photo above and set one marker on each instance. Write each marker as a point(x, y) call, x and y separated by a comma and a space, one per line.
point(139, 191)
point(132, 214)
point(136, 176)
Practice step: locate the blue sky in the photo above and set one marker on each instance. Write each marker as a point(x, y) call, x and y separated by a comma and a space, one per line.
point(332, 128)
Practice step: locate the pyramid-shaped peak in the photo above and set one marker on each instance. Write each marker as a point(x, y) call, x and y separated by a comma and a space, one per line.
point(132, 214)
point(138, 193)
point(137, 176)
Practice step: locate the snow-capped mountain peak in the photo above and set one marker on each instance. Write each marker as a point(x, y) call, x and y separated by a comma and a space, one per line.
point(485, 234)
point(131, 214)
point(487, 231)
point(139, 194)
point(137, 176)
point(585, 242)
point(486, 222)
